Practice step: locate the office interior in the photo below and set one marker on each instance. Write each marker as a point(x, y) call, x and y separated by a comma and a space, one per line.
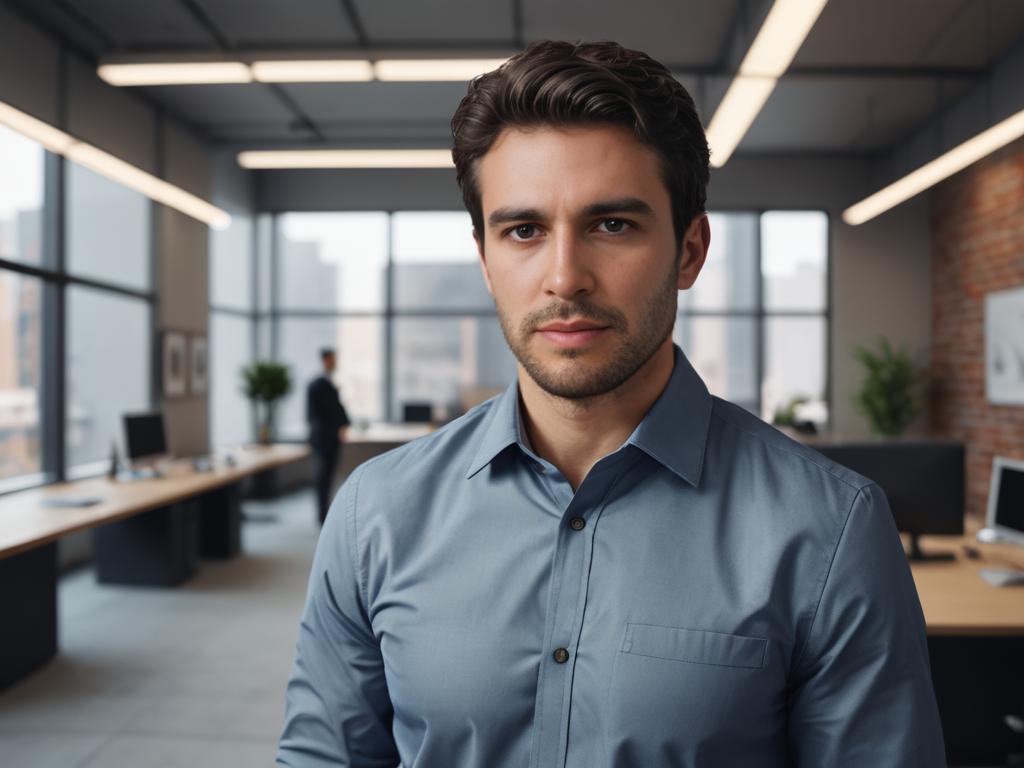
point(143, 267)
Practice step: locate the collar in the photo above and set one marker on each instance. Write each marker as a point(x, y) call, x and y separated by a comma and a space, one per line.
point(673, 432)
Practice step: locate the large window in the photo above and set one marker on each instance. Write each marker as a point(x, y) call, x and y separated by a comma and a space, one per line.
point(107, 366)
point(107, 371)
point(22, 176)
point(21, 198)
point(21, 345)
point(108, 230)
point(234, 281)
point(402, 299)
point(75, 314)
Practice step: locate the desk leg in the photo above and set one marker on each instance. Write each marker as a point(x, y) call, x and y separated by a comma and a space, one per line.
point(220, 522)
point(28, 612)
point(977, 682)
point(157, 548)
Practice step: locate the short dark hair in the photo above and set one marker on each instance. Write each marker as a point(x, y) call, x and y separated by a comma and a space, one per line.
point(578, 84)
point(326, 352)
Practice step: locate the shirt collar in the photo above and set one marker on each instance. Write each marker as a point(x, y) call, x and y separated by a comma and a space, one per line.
point(673, 433)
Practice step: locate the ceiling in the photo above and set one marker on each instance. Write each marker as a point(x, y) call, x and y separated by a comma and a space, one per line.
point(870, 73)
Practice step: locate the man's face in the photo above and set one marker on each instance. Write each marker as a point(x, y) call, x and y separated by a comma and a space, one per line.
point(329, 363)
point(580, 254)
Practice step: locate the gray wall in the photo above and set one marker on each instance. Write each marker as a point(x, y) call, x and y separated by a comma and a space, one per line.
point(881, 275)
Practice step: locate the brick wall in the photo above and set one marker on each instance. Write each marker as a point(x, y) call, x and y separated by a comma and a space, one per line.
point(978, 242)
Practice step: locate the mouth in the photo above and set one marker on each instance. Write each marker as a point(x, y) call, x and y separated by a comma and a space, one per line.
point(572, 333)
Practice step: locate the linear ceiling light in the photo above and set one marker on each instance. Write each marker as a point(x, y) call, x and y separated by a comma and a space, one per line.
point(155, 189)
point(175, 73)
point(346, 158)
point(942, 167)
point(118, 170)
point(43, 133)
point(313, 71)
point(436, 70)
point(780, 37)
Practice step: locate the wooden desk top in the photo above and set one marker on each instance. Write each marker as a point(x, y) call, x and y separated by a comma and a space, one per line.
point(957, 601)
point(25, 523)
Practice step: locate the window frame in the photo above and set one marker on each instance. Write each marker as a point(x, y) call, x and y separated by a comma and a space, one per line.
point(390, 312)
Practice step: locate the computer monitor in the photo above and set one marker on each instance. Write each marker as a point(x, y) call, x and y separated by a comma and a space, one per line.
point(1006, 500)
point(923, 481)
point(417, 413)
point(145, 440)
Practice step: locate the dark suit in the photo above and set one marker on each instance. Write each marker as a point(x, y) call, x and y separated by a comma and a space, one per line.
point(326, 415)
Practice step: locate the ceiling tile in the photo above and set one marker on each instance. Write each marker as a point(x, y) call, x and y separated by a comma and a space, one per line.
point(399, 102)
point(151, 23)
point(840, 114)
point(881, 33)
point(463, 22)
point(271, 23)
point(213, 104)
point(684, 33)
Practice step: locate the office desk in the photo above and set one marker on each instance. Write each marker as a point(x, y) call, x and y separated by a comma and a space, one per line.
point(976, 645)
point(957, 602)
point(148, 532)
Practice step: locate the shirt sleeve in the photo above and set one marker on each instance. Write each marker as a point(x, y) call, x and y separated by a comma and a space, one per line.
point(338, 712)
point(312, 415)
point(862, 694)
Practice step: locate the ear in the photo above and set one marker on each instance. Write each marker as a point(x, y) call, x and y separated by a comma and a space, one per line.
point(478, 239)
point(693, 251)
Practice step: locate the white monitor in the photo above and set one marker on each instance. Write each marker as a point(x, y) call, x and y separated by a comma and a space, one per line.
point(1006, 500)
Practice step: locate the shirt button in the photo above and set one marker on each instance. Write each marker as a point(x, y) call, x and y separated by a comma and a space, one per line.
point(561, 655)
point(577, 523)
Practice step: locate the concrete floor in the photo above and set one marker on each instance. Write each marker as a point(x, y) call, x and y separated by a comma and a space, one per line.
point(193, 676)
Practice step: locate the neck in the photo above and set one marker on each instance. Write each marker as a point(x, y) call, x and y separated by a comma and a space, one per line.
point(573, 434)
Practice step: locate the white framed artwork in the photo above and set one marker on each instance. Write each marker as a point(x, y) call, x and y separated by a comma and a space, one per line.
point(173, 368)
point(198, 370)
point(1004, 347)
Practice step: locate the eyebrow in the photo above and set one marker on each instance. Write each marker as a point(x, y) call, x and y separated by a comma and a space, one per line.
point(632, 205)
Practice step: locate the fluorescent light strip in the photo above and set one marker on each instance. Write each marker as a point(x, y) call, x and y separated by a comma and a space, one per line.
point(295, 71)
point(113, 168)
point(43, 133)
point(433, 70)
point(942, 167)
point(346, 158)
point(313, 71)
point(780, 37)
point(175, 73)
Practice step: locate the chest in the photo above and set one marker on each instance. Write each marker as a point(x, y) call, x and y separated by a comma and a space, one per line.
point(664, 618)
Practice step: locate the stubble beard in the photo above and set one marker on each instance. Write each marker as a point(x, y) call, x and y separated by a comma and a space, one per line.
point(629, 353)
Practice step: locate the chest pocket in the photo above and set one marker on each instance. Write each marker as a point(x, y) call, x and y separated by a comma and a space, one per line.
point(694, 646)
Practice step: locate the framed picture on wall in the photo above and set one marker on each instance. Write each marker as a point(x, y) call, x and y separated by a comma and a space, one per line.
point(1004, 347)
point(173, 364)
point(198, 370)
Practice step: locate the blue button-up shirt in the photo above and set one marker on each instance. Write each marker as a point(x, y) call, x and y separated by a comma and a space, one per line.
point(713, 594)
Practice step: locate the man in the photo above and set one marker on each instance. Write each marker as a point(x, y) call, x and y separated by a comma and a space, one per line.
point(605, 566)
point(327, 421)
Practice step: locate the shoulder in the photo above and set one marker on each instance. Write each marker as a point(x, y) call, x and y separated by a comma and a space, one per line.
point(789, 470)
point(427, 460)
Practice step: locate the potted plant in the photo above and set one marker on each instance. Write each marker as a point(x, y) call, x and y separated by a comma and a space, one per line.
point(888, 396)
point(266, 382)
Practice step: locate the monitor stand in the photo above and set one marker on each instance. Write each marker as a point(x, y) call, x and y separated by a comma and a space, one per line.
point(916, 555)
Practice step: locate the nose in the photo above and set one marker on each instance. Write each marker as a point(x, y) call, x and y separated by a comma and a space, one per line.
point(569, 271)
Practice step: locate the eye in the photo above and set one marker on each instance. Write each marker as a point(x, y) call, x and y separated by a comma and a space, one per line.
point(523, 231)
point(614, 226)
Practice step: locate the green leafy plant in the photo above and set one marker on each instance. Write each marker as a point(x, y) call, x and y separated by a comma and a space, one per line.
point(888, 396)
point(265, 383)
point(785, 415)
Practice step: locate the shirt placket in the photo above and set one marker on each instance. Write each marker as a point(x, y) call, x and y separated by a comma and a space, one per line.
point(568, 590)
